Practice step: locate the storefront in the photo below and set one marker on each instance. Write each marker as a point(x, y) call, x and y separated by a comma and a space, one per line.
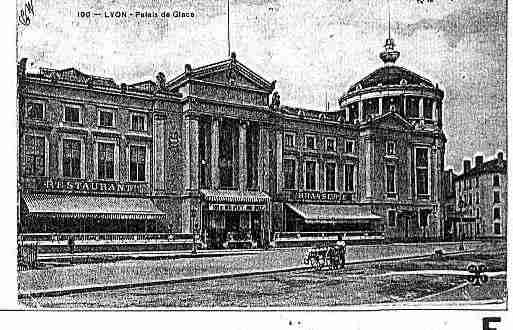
point(235, 219)
point(332, 218)
point(43, 213)
point(82, 206)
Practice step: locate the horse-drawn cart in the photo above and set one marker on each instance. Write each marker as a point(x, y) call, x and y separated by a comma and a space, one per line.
point(333, 257)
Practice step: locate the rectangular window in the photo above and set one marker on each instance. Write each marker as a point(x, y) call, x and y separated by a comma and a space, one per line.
point(469, 198)
point(138, 163)
point(138, 122)
point(106, 119)
point(71, 154)
point(497, 228)
point(423, 221)
point(35, 110)
point(105, 161)
point(478, 213)
point(421, 170)
point(310, 175)
point(310, 142)
point(391, 219)
point(390, 148)
point(496, 181)
point(349, 147)
point(477, 181)
point(289, 173)
point(35, 155)
point(496, 197)
point(390, 177)
point(330, 145)
point(330, 176)
point(412, 107)
point(71, 114)
point(349, 177)
point(289, 140)
point(477, 197)
point(496, 213)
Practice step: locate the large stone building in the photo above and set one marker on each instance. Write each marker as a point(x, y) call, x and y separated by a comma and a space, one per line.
point(212, 151)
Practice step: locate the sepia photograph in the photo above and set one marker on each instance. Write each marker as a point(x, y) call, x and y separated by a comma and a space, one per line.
point(261, 155)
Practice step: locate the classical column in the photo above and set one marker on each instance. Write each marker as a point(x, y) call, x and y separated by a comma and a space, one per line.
point(262, 142)
point(404, 106)
point(360, 111)
point(421, 107)
point(279, 162)
point(369, 178)
point(435, 112)
point(347, 114)
point(243, 169)
point(191, 142)
point(214, 154)
point(380, 106)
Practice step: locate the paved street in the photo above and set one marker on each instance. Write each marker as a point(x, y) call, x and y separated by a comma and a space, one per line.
point(137, 271)
point(357, 284)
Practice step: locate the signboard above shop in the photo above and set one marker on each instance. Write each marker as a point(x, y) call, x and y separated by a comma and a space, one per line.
point(312, 196)
point(86, 186)
point(236, 207)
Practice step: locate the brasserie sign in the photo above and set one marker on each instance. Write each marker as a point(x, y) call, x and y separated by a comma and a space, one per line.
point(83, 186)
point(315, 196)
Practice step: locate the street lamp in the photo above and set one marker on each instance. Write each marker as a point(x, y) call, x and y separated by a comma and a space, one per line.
point(461, 205)
point(194, 230)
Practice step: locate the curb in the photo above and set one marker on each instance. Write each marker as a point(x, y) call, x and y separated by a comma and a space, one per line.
point(103, 287)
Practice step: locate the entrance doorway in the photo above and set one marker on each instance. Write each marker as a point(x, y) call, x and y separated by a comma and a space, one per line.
point(233, 229)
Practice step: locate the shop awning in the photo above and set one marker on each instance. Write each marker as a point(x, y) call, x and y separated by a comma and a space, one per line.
point(74, 206)
point(329, 213)
point(235, 196)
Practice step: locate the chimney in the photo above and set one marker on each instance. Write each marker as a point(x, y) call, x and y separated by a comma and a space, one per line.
point(479, 161)
point(466, 166)
point(500, 155)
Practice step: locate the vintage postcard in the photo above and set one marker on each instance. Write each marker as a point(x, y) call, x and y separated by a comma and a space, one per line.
point(262, 155)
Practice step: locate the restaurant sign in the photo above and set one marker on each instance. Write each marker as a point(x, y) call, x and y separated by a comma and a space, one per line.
point(84, 186)
point(236, 207)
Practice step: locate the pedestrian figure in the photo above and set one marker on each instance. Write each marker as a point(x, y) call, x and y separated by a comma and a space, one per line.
point(71, 245)
point(341, 246)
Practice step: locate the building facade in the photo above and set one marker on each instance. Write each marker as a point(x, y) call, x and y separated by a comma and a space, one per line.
point(481, 199)
point(213, 152)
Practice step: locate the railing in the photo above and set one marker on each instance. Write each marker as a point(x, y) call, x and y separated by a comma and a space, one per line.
point(117, 237)
point(344, 235)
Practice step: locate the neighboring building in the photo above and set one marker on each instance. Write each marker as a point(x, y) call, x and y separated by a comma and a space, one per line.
point(209, 152)
point(449, 206)
point(481, 195)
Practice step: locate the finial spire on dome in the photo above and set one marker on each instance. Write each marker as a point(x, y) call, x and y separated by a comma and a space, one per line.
point(390, 55)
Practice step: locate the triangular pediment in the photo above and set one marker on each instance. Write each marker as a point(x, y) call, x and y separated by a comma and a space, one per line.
point(391, 120)
point(229, 72)
point(231, 76)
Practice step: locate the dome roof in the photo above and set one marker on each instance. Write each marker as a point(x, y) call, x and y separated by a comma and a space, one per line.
point(390, 75)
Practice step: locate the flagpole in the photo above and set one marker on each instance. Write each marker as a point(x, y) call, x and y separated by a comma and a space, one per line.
point(228, 30)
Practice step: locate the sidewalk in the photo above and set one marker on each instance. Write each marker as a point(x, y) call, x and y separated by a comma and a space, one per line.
point(138, 272)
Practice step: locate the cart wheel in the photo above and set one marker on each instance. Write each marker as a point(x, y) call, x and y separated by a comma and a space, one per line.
point(482, 268)
point(472, 268)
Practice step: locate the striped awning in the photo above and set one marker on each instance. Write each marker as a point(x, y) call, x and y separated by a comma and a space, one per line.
point(330, 213)
point(235, 196)
point(73, 206)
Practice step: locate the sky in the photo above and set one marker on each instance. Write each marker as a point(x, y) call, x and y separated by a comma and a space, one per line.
point(312, 48)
